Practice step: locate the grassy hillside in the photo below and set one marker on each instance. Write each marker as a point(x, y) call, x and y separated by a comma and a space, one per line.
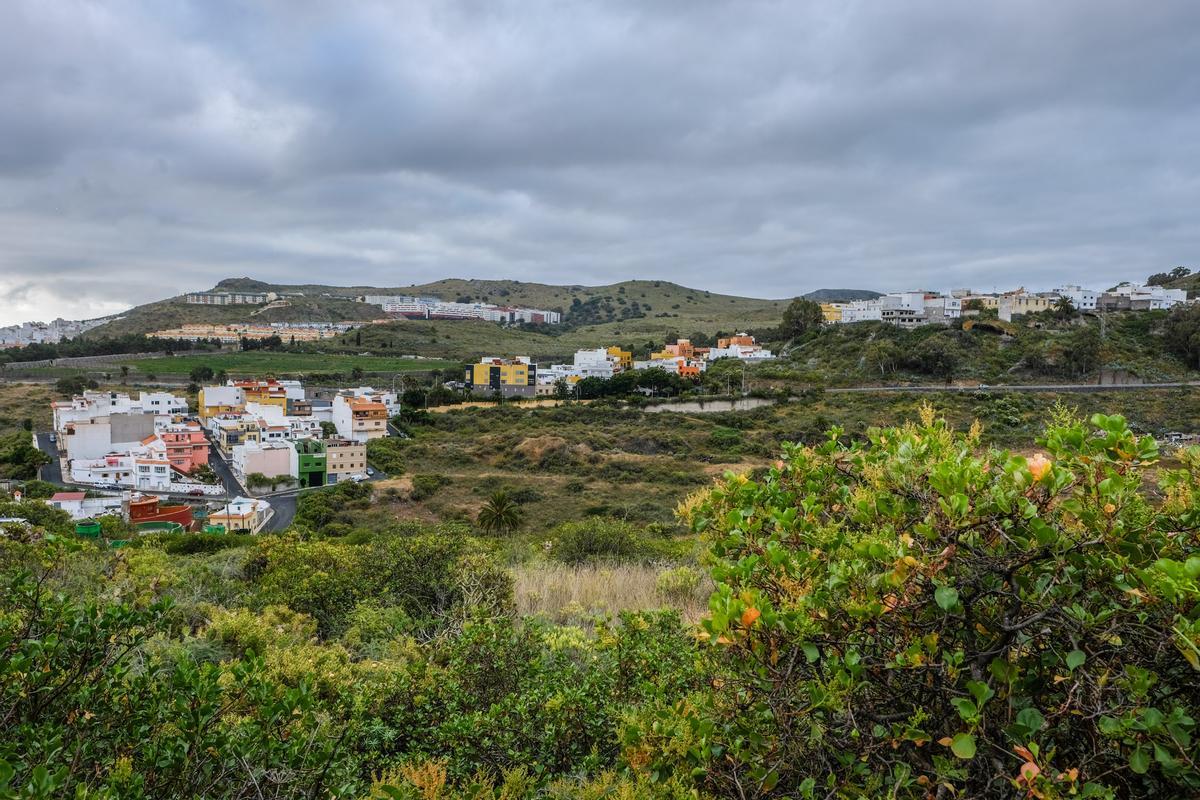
point(175, 312)
point(1034, 349)
point(592, 315)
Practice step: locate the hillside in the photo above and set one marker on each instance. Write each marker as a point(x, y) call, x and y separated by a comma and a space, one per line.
point(591, 314)
point(841, 295)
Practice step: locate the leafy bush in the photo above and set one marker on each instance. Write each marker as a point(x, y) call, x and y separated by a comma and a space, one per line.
point(911, 612)
point(387, 455)
point(425, 486)
point(597, 538)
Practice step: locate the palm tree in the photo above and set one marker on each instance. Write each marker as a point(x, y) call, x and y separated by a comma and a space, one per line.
point(500, 514)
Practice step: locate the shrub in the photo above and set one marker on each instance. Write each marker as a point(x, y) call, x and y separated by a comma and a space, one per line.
point(425, 486)
point(678, 583)
point(597, 538)
point(387, 454)
point(911, 612)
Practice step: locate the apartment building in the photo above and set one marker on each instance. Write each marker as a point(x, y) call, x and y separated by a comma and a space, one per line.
point(229, 298)
point(359, 419)
point(306, 462)
point(99, 436)
point(432, 308)
point(93, 405)
point(1135, 297)
point(273, 459)
point(144, 467)
point(214, 401)
point(508, 377)
point(343, 459)
point(230, 430)
point(742, 347)
point(187, 447)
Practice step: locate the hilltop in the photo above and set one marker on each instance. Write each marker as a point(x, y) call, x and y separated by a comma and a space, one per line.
point(841, 295)
point(592, 315)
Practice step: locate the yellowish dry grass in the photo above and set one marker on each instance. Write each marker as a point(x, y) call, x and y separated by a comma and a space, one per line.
point(573, 594)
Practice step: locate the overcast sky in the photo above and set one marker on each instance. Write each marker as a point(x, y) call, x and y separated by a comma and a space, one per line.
point(757, 148)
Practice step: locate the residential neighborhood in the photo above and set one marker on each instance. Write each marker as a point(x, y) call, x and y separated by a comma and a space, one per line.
point(912, 309)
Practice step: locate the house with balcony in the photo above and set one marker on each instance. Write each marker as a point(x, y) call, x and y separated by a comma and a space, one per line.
point(359, 419)
point(187, 446)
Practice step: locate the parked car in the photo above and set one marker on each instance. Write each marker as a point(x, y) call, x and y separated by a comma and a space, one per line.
point(358, 477)
point(370, 471)
point(196, 492)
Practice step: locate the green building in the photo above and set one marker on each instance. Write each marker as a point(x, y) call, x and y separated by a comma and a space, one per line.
point(309, 463)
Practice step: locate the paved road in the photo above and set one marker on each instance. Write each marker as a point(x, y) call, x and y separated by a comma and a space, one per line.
point(224, 472)
point(51, 472)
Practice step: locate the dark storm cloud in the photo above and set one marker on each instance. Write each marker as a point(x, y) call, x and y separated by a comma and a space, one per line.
point(764, 148)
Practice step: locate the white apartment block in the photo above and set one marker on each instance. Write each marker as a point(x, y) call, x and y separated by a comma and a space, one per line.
point(432, 308)
point(1082, 299)
point(145, 468)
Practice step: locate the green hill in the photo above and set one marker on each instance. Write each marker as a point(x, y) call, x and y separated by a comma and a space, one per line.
point(592, 315)
point(841, 295)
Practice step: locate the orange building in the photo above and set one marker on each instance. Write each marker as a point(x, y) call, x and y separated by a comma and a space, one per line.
point(742, 340)
point(187, 447)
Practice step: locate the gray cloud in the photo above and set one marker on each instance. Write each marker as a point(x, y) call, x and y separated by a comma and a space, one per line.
point(755, 147)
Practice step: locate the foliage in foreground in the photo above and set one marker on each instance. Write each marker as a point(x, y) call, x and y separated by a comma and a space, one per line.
point(905, 616)
point(909, 612)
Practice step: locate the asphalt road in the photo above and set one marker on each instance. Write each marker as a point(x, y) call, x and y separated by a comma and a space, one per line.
point(220, 466)
point(51, 472)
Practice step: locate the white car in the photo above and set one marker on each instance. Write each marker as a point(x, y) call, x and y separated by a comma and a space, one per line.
point(358, 477)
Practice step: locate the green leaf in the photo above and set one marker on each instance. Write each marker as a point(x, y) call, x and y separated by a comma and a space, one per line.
point(946, 597)
point(1030, 719)
point(966, 709)
point(963, 746)
point(1139, 761)
point(811, 652)
point(1075, 659)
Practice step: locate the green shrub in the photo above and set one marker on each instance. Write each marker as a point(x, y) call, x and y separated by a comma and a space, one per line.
point(598, 538)
point(953, 617)
point(425, 486)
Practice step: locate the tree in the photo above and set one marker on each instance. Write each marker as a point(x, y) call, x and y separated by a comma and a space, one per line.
point(912, 612)
point(500, 514)
point(222, 376)
point(73, 385)
point(936, 356)
point(357, 373)
point(800, 317)
point(201, 374)
point(1064, 308)
point(1163, 278)
point(1182, 333)
point(562, 389)
point(883, 355)
point(124, 373)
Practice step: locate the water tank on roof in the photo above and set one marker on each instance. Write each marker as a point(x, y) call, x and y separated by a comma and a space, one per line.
point(88, 527)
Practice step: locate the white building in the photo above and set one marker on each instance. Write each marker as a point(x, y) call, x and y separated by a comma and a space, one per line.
point(1153, 298)
point(145, 468)
point(906, 309)
point(1082, 299)
point(242, 515)
point(390, 400)
point(80, 506)
point(93, 405)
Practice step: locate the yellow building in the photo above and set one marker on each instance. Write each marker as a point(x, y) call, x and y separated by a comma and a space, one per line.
point(624, 358)
point(508, 376)
point(832, 312)
point(212, 401)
